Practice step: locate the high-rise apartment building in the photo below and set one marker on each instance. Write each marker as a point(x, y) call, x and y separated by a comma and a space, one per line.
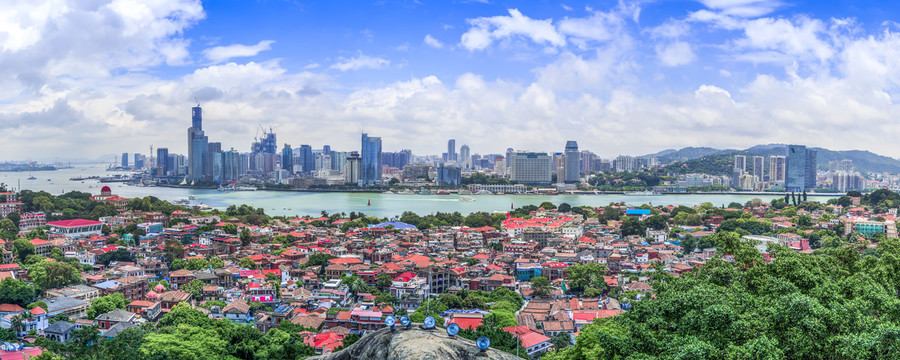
point(800, 163)
point(572, 167)
point(352, 168)
point(739, 168)
point(124, 160)
point(209, 164)
point(530, 168)
point(370, 167)
point(776, 168)
point(758, 167)
point(624, 163)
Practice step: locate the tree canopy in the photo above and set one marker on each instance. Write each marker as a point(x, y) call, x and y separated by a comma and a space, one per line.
point(836, 303)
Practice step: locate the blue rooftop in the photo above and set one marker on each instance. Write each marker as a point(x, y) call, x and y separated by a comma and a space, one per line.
point(395, 224)
point(637, 212)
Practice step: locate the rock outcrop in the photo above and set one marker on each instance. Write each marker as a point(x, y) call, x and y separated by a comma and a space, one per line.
point(414, 344)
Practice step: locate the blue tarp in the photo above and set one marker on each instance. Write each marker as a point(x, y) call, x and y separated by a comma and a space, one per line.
point(637, 212)
point(395, 224)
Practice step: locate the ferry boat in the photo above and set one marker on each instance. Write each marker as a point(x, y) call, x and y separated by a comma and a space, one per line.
point(466, 198)
point(484, 192)
point(406, 192)
point(642, 193)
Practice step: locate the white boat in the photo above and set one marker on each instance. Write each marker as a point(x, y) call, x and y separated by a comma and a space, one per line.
point(192, 197)
point(466, 198)
point(642, 193)
point(464, 192)
point(484, 192)
point(406, 192)
point(243, 188)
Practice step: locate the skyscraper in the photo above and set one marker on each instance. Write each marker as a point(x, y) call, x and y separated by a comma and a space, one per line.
point(162, 161)
point(266, 144)
point(287, 158)
point(124, 160)
point(197, 118)
point(370, 168)
point(197, 145)
point(307, 158)
point(465, 157)
point(451, 150)
point(572, 167)
point(758, 167)
point(776, 168)
point(800, 163)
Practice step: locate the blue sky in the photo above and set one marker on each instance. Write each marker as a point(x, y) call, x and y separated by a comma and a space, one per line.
point(619, 77)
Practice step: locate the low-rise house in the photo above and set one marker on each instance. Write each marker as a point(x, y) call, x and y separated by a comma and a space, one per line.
point(59, 331)
point(237, 311)
point(109, 319)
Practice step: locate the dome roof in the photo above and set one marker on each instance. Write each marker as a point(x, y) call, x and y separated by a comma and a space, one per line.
point(159, 288)
point(105, 190)
point(151, 294)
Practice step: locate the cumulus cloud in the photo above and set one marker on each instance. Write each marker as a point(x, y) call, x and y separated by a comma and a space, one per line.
point(224, 53)
point(834, 90)
point(486, 30)
point(360, 62)
point(431, 41)
point(675, 54)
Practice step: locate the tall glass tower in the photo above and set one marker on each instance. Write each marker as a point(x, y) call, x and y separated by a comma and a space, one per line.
point(370, 169)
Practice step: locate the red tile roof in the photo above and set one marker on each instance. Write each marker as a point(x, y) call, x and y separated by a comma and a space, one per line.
point(74, 223)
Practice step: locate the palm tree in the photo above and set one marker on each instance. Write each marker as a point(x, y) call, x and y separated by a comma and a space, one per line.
point(356, 285)
point(18, 323)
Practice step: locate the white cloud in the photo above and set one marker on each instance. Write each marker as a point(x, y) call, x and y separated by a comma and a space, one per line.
point(670, 29)
point(675, 54)
point(599, 26)
point(431, 41)
point(360, 61)
point(743, 8)
point(224, 53)
point(799, 40)
point(485, 30)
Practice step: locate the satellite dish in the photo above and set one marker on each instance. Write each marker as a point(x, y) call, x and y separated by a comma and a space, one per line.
point(404, 320)
point(390, 321)
point(483, 343)
point(429, 322)
point(452, 329)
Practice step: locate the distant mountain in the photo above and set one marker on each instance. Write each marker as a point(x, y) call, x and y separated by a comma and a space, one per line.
point(863, 161)
point(688, 153)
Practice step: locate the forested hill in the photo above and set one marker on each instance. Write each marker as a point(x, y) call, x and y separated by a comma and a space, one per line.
point(711, 161)
point(839, 303)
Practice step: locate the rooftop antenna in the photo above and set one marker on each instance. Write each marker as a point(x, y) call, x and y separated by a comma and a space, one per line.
point(197, 101)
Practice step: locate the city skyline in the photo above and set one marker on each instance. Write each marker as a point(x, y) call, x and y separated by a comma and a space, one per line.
point(618, 78)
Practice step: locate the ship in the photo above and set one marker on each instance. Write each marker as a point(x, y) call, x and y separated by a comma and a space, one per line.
point(466, 198)
point(642, 193)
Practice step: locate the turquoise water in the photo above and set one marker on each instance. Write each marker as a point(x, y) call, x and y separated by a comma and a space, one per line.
point(383, 205)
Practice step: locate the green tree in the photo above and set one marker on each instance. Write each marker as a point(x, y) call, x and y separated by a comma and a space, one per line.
point(105, 304)
point(22, 248)
point(245, 237)
point(17, 292)
point(383, 281)
point(562, 340)
point(230, 228)
point(581, 276)
point(540, 285)
point(247, 263)
point(194, 287)
point(53, 274)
